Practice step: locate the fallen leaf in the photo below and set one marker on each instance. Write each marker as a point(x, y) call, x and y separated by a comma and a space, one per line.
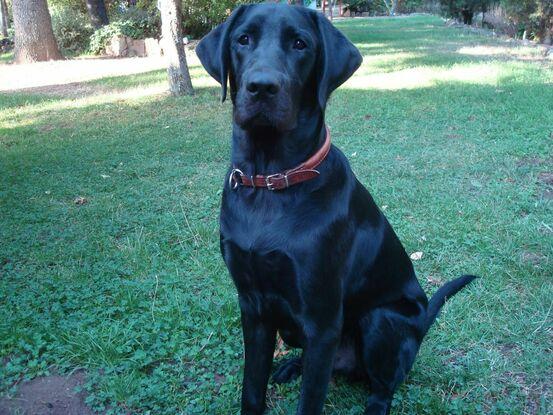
point(475, 183)
point(436, 281)
point(280, 349)
point(80, 200)
point(415, 256)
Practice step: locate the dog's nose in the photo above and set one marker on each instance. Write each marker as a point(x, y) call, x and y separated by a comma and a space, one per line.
point(262, 84)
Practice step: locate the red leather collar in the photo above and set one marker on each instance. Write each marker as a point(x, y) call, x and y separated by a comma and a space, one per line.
point(279, 181)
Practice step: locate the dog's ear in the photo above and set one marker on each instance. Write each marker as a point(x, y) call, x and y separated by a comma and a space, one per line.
point(338, 59)
point(214, 50)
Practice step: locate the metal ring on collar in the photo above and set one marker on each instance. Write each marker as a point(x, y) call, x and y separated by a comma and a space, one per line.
point(233, 182)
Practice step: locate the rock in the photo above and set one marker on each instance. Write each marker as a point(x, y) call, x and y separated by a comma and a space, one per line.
point(153, 47)
point(136, 48)
point(124, 46)
point(117, 46)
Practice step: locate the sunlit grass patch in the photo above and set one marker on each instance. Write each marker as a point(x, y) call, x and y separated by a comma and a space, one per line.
point(502, 51)
point(424, 77)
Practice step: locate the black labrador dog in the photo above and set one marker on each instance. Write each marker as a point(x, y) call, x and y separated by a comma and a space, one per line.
point(310, 253)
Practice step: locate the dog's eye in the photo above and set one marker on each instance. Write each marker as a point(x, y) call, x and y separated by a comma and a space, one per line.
point(299, 44)
point(244, 40)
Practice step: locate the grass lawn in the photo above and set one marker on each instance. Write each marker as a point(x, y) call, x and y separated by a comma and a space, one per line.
point(451, 132)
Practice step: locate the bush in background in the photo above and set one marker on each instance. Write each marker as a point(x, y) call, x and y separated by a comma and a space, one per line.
point(410, 6)
point(200, 16)
point(72, 28)
point(133, 22)
point(464, 10)
point(378, 7)
point(533, 17)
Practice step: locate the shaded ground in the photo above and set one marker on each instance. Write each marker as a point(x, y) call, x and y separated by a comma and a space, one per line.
point(48, 395)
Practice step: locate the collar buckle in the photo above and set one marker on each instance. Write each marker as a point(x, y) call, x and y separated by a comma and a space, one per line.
point(271, 184)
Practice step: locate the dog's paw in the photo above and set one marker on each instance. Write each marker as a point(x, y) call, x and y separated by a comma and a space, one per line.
point(288, 371)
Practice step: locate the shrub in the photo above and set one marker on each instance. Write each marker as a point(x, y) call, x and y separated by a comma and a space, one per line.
point(140, 23)
point(131, 22)
point(409, 6)
point(465, 9)
point(535, 17)
point(374, 7)
point(200, 16)
point(72, 28)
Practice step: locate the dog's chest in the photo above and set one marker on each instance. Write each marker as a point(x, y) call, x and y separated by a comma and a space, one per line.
point(258, 246)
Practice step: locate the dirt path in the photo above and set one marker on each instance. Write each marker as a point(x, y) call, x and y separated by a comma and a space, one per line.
point(47, 74)
point(48, 395)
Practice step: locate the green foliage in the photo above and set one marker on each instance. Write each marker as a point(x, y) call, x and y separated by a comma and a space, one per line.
point(409, 6)
point(76, 5)
point(454, 8)
point(378, 7)
point(140, 23)
point(131, 287)
point(100, 38)
point(373, 7)
point(533, 16)
point(200, 16)
point(11, 35)
point(132, 22)
point(72, 28)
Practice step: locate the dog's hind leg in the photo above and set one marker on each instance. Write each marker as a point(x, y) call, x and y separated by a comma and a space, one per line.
point(389, 347)
point(288, 370)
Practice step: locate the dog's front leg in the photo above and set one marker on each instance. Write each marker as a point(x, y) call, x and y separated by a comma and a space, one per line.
point(259, 346)
point(317, 360)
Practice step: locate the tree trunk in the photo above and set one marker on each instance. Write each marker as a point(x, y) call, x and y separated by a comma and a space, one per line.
point(173, 48)
point(546, 22)
point(97, 12)
point(4, 20)
point(391, 6)
point(34, 37)
point(467, 15)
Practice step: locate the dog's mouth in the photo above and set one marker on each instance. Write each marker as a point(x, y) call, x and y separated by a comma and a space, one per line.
point(259, 114)
point(261, 119)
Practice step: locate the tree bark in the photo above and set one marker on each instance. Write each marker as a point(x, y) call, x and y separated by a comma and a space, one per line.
point(97, 12)
point(546, 22)
point(4, 20)
point(391, 6)
point(173, 48)
point(467, 15)
point(34, 37)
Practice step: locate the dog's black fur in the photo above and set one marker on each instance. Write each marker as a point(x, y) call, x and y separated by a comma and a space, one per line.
point(317, 262)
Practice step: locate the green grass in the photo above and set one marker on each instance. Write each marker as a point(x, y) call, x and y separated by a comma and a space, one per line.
point(130, 286)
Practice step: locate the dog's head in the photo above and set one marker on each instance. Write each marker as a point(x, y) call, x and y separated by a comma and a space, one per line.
point(277, 59)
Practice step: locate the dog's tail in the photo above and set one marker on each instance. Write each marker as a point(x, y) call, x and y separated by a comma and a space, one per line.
point(449, 289)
